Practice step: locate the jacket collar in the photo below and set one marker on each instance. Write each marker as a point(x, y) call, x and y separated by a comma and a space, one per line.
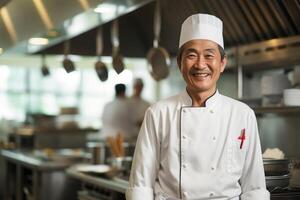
point(210, 102)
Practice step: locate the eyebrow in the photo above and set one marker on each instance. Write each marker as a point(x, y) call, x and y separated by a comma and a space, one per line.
point(192, 50)
point(210, 50)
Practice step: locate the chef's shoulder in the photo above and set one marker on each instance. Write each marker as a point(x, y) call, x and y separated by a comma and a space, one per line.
point(236, 105)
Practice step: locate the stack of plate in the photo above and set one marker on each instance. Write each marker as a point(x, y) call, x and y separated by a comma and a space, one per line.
point(291, 97)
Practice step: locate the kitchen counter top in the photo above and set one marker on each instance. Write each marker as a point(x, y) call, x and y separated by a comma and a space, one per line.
point(29, 160)
point(115, 184)
point(46, 174)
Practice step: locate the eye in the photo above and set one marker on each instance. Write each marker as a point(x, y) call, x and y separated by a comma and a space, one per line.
point(209, 56)
point(191, 55)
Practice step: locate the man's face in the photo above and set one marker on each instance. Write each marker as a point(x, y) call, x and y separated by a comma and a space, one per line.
point(201, 65)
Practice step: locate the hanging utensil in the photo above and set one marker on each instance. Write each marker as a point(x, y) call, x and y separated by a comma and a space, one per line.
point(67, 63)
point(158, 58)
point(100, 67)
point(117, 58)
point(45, 70)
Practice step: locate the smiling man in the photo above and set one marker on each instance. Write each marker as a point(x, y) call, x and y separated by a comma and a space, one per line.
point(199, 144)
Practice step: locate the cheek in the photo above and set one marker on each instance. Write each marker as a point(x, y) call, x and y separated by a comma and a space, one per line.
point(184, 70)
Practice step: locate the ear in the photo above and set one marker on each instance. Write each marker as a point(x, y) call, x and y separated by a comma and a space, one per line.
point(223, 63)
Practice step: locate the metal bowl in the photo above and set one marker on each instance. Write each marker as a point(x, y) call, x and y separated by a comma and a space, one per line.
point(277, 167)
point(277, 181)
point(121, 163)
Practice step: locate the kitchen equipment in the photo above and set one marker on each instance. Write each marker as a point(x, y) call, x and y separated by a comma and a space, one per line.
point(68, 63)
point(97, 151)
point(100, 67)
point(122, 164)
point(272, 87)
point(274, 84)
point(285, 193)
point(158, 57)
point(45, 70)
point(117, 58)
point(277, 181)
point(295, 175)
point(60, 156)
point(291, 97)
point(277, 167)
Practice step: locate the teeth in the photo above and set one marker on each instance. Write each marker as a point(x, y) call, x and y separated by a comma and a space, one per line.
point(200, 74)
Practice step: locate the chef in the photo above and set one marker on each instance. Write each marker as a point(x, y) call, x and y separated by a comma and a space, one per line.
point(199, 144)
point(115, 115)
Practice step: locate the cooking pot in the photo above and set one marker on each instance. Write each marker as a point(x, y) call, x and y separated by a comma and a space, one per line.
point(277, 167)
point(277, 181)
point(97, 152)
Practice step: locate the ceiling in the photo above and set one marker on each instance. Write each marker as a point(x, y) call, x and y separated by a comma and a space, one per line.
point(3, 2)
point(245, 22)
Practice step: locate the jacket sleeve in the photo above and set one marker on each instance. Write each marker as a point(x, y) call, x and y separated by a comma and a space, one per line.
point(253, 182)
point(145, 162)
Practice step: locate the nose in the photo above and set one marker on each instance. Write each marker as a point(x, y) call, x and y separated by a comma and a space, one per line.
point(201, 63)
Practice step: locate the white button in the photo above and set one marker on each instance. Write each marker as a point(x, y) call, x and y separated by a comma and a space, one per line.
point(214, 138)
point(211, 194)
point(184, 165)
point(184, 137)
point(183, 110)
point(212, 168)
point(185, 194)
point(211, 111)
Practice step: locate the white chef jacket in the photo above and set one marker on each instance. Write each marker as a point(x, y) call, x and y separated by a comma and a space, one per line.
point(115, 118)
point(186, 152)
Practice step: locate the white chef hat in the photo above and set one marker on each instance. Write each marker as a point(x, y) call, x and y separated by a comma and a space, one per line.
point(202, 26)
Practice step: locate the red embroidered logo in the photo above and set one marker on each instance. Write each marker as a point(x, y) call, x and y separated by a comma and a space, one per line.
point(242, 137)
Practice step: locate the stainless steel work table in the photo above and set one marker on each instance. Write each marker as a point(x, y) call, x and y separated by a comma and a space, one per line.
point(114, 184)
point(24, 159)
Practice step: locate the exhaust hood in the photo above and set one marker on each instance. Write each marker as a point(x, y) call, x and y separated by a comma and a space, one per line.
point(245, 23)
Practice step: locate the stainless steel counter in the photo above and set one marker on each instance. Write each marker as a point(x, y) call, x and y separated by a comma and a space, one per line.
point(29, 160)
point(41, 178)
point(114, 184)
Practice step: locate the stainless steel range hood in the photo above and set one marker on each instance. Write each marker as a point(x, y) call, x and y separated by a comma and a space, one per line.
point(245, 22)
point(56, 20)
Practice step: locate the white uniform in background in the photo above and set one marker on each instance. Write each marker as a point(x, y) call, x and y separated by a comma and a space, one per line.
point(138, 107)
point(115, 118)
point(198, 152)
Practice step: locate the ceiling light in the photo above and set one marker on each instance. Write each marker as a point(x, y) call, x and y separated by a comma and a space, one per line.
point(1, 50)
point(105, 9)
point(38, 41)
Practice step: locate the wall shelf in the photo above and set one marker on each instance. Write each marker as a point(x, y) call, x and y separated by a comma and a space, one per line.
point(277, 110)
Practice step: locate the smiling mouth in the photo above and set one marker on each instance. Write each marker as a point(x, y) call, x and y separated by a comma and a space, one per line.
point(200, 74)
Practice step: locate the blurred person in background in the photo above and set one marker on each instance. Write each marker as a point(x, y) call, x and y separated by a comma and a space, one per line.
point(138, 107)
point(115, 115)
